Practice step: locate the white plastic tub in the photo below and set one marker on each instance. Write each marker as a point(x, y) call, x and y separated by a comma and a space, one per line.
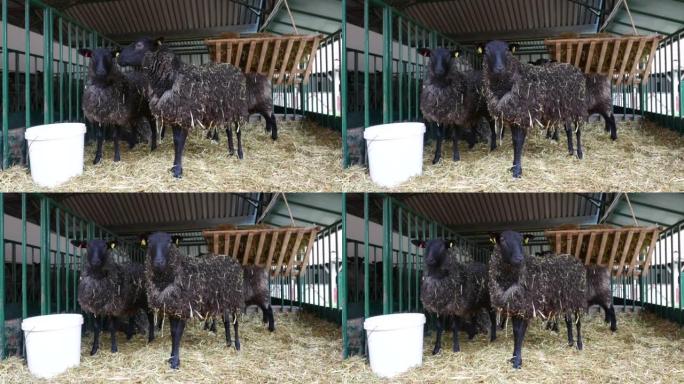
point(395, 342)
point(55, 152)
point(53, 343)
point(395, 152)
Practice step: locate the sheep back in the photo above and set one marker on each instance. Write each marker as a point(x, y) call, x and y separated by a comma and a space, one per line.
point(527, 94)
point(117, 103)
point(196, 286)
point(547, 286)
point(114, 290)
point(461, 291)
point(209, 95)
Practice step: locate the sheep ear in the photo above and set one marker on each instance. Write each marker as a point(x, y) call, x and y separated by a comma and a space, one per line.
point(479, 49)
point(85, 52)
point(79, 243)
point(143, 240)
point(159, 41)
point(116, 52)
point(418, 243)
point(176, 240)
point(513, 47)
point(456, 53)
point(425, 52)
point(450, 244)
point(527, 238)
point(111, 244)
point(493, 237)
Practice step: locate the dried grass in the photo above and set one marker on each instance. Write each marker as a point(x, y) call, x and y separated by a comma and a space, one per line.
point(304, 348)
point(308, 158)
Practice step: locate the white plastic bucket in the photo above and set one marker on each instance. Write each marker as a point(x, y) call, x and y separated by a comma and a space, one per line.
point(395, 152)
point(53, 343)
point(55, 152)
point(395, 342)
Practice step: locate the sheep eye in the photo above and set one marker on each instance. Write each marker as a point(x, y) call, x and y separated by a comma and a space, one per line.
point(138, 46)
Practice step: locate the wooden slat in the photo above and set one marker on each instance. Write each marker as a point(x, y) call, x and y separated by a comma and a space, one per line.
point(248, 248)
point(282, 253)
point(260, 247)
point(590, 248)
point(635, 66)
point(578, 55)
point(568, 244)
point(604, 241)
point(558, 243)
point(602, 56)
point(654, 47)
point(262, 58)
point(226, 244)
point(621, 73)
point(309, 250)
point(286, 58)
point(637, 250)
point(293, 255)
point(229, 53)
point(274, 59)
point(613, 252)
point(238, 54)
point(294, 70)
point(651, 251)
point(613, 59)
point(578, 248)
point(568, 58)
point(625, 251)
point(236, 247)
point(312, 58)
point(587, 67)
point(271, 251)
point(216, 243)
point(217, 54)
point(250, 55)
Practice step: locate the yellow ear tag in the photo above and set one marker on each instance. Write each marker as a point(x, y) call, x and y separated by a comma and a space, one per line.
point(451, 244)
point(117, 54)
point(492, 240)
point(113, 246)
point(479, 50)
point(513, 49)
point(143, 242)
point(456, 54)
point(527, 239)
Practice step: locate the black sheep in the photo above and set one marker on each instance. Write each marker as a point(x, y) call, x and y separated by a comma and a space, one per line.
point(184, 95)
point(183, 287)
point(522, 95)
point(109, 289)
point(453, 290)
point(111, 98)
point(451, 97)
point(523, 287)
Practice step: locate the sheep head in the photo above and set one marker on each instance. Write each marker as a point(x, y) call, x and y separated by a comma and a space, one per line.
point(510, 244)
point(97, 252)
point(133, 54)
point(441, 60)
point(101, 64)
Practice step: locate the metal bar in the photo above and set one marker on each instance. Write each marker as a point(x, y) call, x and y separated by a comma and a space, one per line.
point(400, 259)
point(343, 279)
point(67, 261)
point(386, 64)
point(366, 261)
point(385, 256)
point(58, 262)
point(2, 239)
point(5, 98)
point(366, 74)
point(344, 88)
point(400, 69)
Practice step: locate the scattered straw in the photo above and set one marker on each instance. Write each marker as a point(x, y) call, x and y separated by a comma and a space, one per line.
point(306, 349)
point(308, 158)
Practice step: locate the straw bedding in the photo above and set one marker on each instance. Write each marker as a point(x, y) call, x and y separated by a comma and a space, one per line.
point(308, 158)
point(307, 349)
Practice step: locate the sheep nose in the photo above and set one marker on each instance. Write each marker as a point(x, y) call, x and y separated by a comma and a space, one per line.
point(499, 68)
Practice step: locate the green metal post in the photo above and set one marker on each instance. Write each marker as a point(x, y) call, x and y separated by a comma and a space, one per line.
point(400, 69)
point(58, 262)
point(366, 261)
point(2, 257)
point(409, 84)
point(27, 62)
point(67, 260)
point(61, 71)
point(344, 85)
point(343, 278)
point(43, 257)
point(5, 90)
point(366, 60)
point(400, 258)
point(386, 63)
point(24, 270)
point(47, 66)
point(410, 265)
point(385, 252)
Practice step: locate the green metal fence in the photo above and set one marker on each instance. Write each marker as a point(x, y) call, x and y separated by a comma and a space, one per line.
point(41, 87)
point(41, 267)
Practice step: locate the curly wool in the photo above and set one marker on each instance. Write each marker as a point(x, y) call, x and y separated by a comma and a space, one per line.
point(192, 286)
point(546, 286)
point(527, 95)
point(456, 289)
point(113, 290)
point(187, 95)
point(255, 285)
point(460, 101)
point(118, 102)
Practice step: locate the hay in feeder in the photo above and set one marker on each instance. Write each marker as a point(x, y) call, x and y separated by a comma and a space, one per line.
point(306, 349)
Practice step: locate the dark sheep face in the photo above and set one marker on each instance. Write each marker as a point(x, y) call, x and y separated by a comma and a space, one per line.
point(158, 246)
point(511, 244)
point(97, 254)
point(101, 62)
point(441, 60)
point(496, 54)
point(133, 54)
point(435, 251)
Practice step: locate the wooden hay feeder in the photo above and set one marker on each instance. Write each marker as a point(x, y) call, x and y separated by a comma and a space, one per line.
point(280, 250)
point(624, 59)
point(284, 59)
point(626, 250)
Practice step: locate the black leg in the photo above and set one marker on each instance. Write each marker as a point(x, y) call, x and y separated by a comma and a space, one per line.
point(471, 327)
point(503, 321)
point(132, 136)
point(438, 339)
point(613, 127)
point(518, 134)
point(153, 130)
point(160, 320)
point(212, 327)
point(99, 135)
point(471, 136)
point(568, 133)
point(492, 129)
point(177, 327)
point(112, 332)
point(238, 134)
point(226, 325)
point(492, 326)
point(150, 326)
point(229, 133)
point(179, 136)
point(578, 318)
point(97, 326)
point(519, 328)
point(438, 147)
point(131, 328)
point(235, 328)
point(456, 135)
point(568, 323)
point(555, 134)
point(115, 135)
point(456, 326)
point(267, 317)
point(549, 132)
point(274, 127)
point(613, 318)
point(580, 152)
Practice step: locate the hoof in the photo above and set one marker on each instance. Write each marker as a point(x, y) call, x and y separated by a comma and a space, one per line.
point(571, 343)
point(517, 171)
point(436, 351)
point(93, 351)
point(492, 339)
point(456, 158)
point(115, 349)
point(231, 153)
point(435, 161)
point(177, 171)
point(580, 346)
point(150, 339)
point(174, 362)
point(456, 349)
point(516, 362)
point(97, 161)
point(580, 155)
point(240, 155)
point(237, 345)
point(128, 337)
